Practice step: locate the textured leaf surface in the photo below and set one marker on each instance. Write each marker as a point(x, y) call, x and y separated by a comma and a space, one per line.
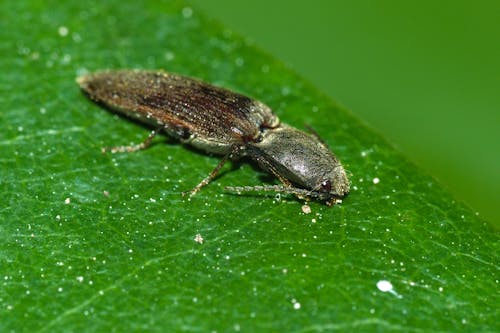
point(105, 242)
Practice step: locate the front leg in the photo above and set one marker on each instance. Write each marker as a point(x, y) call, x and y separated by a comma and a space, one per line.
point(214, 172)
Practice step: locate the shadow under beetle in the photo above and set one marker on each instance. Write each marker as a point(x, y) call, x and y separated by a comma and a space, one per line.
point(222, 122)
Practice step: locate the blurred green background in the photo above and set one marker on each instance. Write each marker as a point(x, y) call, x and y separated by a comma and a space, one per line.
point(425, 74)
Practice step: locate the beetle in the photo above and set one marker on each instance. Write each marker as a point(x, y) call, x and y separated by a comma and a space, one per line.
point(221, 122)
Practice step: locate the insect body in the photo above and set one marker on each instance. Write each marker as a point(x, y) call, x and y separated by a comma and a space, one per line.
point(222, 122)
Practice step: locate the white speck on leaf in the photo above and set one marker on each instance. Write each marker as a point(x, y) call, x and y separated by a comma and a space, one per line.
point(187, 12)
point(76, 38)
point(306, 209)
point(296, 305)
point(386, 287)
point(169, 55)
point(63, 31)
point(198, 239)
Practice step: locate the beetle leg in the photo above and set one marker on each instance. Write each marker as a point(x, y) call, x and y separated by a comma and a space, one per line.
point(212, 174)
point(268, 166)
point(128, 149)
point(287, 186)
point(300, 193)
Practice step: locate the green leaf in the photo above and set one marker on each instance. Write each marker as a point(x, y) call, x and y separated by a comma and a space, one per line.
point(99, 242)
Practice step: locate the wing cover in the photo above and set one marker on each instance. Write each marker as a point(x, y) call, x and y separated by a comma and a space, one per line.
point(185, 104)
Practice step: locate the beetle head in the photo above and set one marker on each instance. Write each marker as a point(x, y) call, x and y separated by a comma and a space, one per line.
point(302, 160)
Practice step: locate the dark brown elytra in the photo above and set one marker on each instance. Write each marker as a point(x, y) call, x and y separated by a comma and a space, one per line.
point(222, 122)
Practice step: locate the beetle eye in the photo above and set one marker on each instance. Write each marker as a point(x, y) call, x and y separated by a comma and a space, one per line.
point(326, 186)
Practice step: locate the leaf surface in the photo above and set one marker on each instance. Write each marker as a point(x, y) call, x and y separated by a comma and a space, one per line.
point(99, 242)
